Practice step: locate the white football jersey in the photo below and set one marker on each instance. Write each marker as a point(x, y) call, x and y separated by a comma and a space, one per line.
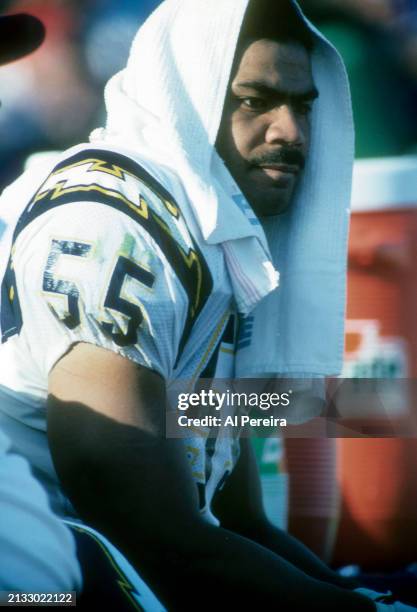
point(102, 254)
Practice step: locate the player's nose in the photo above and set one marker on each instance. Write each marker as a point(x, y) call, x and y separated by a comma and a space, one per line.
point(285, 127)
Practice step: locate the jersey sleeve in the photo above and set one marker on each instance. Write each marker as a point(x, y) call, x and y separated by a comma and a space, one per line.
point(86, 272)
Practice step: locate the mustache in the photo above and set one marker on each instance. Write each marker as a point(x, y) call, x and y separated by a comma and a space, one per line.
point(284, 156)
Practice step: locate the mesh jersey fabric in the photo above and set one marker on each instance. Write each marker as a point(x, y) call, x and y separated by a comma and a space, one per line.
point(102, 255)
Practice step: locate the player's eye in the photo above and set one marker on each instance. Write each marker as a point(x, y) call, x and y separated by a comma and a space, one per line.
point(255, 104)
point(304, 107)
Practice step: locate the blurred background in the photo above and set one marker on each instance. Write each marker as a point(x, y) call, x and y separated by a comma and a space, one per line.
point(353, 501)
point(378, 42)
point(54, 98)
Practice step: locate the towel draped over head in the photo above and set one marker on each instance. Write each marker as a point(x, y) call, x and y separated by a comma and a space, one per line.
point(166, 106)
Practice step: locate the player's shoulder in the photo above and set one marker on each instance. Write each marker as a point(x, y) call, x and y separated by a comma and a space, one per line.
point(110, 201)
point(104, 176)
point(112, 194)
point(98, 204)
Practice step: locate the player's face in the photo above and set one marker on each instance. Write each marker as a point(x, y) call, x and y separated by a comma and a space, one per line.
point(265, 129)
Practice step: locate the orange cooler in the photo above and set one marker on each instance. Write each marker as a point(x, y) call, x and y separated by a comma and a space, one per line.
point(378, 477)
point(355, 500)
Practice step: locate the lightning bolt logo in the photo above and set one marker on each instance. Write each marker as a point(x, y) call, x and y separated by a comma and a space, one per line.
point(60, 190)
point(98, 165)
point(127, 588)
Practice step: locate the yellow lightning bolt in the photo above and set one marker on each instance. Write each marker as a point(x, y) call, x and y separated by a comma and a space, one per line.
point(60, 190)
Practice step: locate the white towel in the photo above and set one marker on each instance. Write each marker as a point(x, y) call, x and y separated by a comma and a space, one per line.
point(166, 106)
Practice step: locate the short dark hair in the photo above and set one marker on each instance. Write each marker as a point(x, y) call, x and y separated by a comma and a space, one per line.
point(276, 20)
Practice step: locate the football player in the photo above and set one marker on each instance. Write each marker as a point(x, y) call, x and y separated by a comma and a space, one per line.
point(126, 264)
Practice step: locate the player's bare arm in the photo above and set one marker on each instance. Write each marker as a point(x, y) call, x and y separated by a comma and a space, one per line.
point(106, 431)
point(240, 508)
